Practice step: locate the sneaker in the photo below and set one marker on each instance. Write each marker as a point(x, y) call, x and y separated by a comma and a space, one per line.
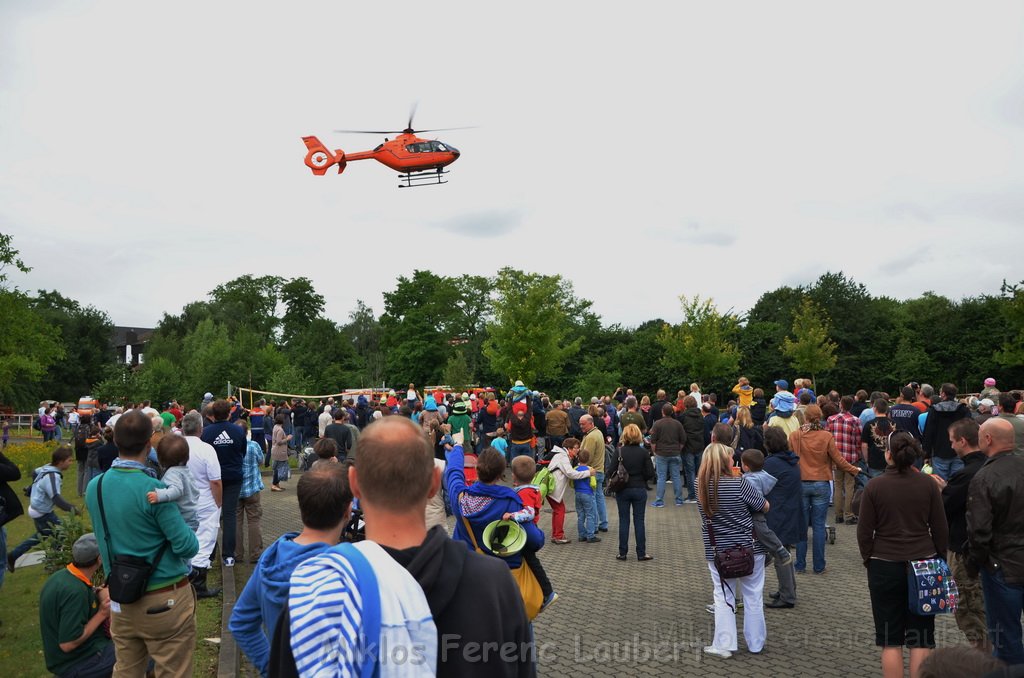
point(851, 521)
point(10, 562)
point(710, 608)
point(715, 652)
point(839, 520)
point(229, 562)
point(559, 541)
point(679, 502)
point(691, 500)
point(593, 540)
point(658, 504)
point(547, 601)
point(785, 557)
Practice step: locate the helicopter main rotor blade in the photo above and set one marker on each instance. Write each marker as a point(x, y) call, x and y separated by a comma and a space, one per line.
point(367, 131)
point(412, 114)
point(444, 129)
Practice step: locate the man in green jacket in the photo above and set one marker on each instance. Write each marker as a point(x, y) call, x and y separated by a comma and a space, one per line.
point(161, 624)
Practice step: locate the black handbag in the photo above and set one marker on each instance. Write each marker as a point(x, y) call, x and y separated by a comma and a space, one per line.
point(618, 480)
point(129, 575)
point(732, 562)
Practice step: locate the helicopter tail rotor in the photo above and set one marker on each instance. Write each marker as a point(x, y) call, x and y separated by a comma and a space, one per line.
point(319, 159)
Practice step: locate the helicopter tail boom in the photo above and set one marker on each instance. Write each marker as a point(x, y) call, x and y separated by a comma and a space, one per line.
point(319, 159)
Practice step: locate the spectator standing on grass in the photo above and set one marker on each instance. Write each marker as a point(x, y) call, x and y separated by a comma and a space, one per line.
point(161, 624)
point(71, 616)
point(324, 501)
point(205, 469)
point(45, 496)
point(9, 473)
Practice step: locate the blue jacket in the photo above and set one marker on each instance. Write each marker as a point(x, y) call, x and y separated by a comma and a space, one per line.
point(483, 504)
point(784, 515)
point(265, 596)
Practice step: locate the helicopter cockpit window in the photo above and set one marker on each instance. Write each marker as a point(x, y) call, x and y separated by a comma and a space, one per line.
point(422, 147)
point(438, 146)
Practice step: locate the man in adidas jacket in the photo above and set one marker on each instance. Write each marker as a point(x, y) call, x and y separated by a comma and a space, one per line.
point(229, 441)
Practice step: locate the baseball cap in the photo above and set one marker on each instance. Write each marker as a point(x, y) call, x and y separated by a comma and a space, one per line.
point(987, 402)
point(207, 396)
point(782, 383)
point(85, 549)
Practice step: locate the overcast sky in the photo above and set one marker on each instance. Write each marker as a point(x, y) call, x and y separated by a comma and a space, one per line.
point(149, 152)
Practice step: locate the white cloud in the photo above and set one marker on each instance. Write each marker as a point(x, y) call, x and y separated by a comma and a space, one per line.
point(694, 148)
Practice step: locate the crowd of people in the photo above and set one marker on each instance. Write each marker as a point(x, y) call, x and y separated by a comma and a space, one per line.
point(433, 491)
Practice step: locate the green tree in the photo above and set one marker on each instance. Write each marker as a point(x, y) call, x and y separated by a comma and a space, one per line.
point(159, 379)
point(248, 301)
point(1012, 350)
point(365, 335)
point(420, 321)
point(28, 344)
point(302, 306)
point(529, 338)
point(86, 332)
point(324, 352)
point(702, 347)
point(456, 371)
point(810, 350)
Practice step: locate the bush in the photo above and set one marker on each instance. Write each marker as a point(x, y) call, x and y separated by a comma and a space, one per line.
point(57, 546)
point(30, 456)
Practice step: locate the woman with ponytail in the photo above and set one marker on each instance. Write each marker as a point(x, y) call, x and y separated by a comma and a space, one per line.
point(901, 519)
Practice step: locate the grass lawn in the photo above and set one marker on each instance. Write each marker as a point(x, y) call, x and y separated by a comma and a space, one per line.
point(21, 651)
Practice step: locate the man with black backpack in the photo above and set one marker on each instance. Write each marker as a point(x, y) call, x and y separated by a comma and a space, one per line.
point(44, 495)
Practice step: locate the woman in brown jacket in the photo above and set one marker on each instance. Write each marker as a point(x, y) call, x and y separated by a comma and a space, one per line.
point(817, 451)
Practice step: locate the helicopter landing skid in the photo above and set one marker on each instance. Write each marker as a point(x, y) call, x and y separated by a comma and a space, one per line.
point(425, 178)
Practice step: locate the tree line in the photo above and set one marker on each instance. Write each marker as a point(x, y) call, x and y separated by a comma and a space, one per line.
point(272, 332)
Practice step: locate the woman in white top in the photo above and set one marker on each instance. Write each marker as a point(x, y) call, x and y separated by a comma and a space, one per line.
point(563, 473)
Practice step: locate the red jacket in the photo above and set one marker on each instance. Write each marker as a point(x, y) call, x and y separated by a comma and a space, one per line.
point(531, 497)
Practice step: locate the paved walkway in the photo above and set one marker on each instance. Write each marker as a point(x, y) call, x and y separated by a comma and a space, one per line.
point(649, 618)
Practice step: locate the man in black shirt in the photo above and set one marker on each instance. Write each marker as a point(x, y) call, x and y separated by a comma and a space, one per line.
point(970, 611)
point(340, 433)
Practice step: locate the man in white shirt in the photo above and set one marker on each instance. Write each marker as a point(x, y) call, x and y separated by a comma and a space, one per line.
point(325, 419)
point(205, 468)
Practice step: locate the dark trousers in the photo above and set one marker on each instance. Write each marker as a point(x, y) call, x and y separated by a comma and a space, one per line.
point(99, 665)
point(632, 499)
point(229, 519)
point(531, 559)
point(44, 528)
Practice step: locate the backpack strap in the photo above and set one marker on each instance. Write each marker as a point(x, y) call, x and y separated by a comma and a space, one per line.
point(369, 592)
point(472, 537)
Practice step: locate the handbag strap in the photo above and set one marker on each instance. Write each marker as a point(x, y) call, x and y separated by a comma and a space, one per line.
point(106, 530)
point(472, 537)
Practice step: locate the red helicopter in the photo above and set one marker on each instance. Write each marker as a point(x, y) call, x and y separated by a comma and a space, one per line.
point(419, 162)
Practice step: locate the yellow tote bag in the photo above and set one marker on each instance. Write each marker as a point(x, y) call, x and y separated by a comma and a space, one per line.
point(526, 580)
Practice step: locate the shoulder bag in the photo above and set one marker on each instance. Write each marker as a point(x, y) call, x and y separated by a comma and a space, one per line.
point(732, 562)
point(930, 587)
point(129, 575)
point(618, 480)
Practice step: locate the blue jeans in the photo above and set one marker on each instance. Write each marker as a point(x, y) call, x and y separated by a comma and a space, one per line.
point(634, 498)
point(518, 449)
point(586, 515)
point(95, 666)
point(602, 509)
point(1004, 604)
point(944, 468)
point(816, 494)
point(44, 528)
point(689, 473)
point(665, 467)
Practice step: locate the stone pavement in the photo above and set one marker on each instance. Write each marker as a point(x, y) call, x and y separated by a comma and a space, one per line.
point(649, 618)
